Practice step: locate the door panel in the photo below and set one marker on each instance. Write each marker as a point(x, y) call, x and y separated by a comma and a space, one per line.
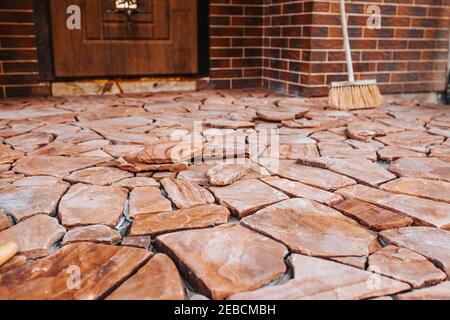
point(160, 41)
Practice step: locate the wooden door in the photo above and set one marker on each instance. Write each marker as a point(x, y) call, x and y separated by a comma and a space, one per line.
point(161, 40)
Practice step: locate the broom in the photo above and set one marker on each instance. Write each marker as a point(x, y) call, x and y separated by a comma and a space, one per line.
point(351, 94)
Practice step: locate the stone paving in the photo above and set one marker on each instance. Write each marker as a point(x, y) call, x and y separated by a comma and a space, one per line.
point(181, 196)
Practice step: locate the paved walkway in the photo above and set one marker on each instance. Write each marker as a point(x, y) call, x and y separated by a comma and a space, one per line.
point(223, 195)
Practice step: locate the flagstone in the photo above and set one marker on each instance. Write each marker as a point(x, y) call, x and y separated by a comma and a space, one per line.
point(135, 182)
point(247, 196)
point(371, 216)
point(296, 189)
point(281, 115)
point(167, 151)
point(185, 194)
point(140, 167)
point(392, 153)
point(14, 262)
point(428, 168)
point(405, 265)
point(86, 205)
point(310, 228)
point(372, 145)
point(147, 200)
point(36, 181)
point(157, 280)
point(54, 165)
point(318, 279)
point(226, 174)
point(416, 140)
point(48, 278)
point(34, 236)
point(423, 188)
point(293, 152)
point(438, 292)
point(366, 130)
point(94, 233)
point(225, 260)
point(29, 141)
point(26, 201)
point(102, 176)
point(5, 222)
point(196, 173)
point(224, 123)
point(9, 155)
point(430, 242)
point(166, 222)
point(121, 150)
point(357, 262)
point(315, 177)
point(143, 242)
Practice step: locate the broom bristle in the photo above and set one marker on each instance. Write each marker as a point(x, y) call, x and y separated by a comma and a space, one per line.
point(355, 96)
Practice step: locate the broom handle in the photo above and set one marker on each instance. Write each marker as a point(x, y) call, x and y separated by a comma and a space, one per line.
point(348, 51)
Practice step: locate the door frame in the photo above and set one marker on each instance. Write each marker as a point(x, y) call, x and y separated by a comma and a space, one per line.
point(44, 45)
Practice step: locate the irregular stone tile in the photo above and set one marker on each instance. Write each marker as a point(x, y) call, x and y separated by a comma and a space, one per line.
point(131, 183)
point(5, 223)
point(441, 151)
point(168, 151)
point(224, 124)
point(34, 236)
point(119, 151)
point(407, 124)
point(391, 153)
point(54, 166)
point(140, 167)
point(415, 140)
point(9, 155)
point(36, 181)
point(86, 205)
point(366, 130)
point(5, 167)
point(299, 190)
point(29, 141)
point(439, 292)
point(166, 222)
point(247, 196)
point(422, 211)
point(158, 176)
point(224, 260)
point(310, 228)
point(277, 115)
point(429, 242)
point(439, 132)
point(294, 152)
point(10, 177)
point(372, 145)
point(373, 217)
point(143, 242)
point(101, 267)
point(318, 279)
point(423, 188)
point(157, 280)
point(62, 149)
point(357, 262)
point(226, 174)
point(24, 202)
point(31, 112)
point(101, 176)
point(315, 177)
point(15, 262)
point(405, 265)
point(146, 200)
point(196, 173)
point(96, 154)
point(129, 138)
point(185, 194)
point(293, 140)
point(94, 233)
point(18, 129)
point(428, 168)
point(328, 136)
point(340, 149)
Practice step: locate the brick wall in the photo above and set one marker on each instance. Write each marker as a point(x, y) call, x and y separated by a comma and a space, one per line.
point(18, 59)
point(304, 52)
point(236, 55)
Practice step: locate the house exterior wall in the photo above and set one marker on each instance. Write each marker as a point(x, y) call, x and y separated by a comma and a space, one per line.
point(292, 46)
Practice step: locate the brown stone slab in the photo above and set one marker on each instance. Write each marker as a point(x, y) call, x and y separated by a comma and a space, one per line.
point(247, 196)
point(5, 222)
point(196, 173)
point(36, 181)
point(140, 167)
point(392, 153)
point(131, 183)
point(373, 217)
point(226, 174)
point(225, 260)
point(157, 280)
point(186, 194)
point(296, 189)
point(405, 265)
point(147, 200)
point(418, 140)
point(101, 176)
point(357, 262)
point(143, 242)
point(439, 292)
point(315, 177)
point(366, 130)
point(428, 168)
point(430, 242)
point(121, 150)
point(15, 262)
point(30, 141)
point(281, 115)
point(94, 233)
point(318, 279)
point(85, 205)
point(55, 277)
point(224, 123)
point(423, 211)
point(34, 236)
point(168, 151)
point(423, 188)
point(27, 201)
point(166, 222)
point(54, 166)
point(310, 228)
point(9, 155)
